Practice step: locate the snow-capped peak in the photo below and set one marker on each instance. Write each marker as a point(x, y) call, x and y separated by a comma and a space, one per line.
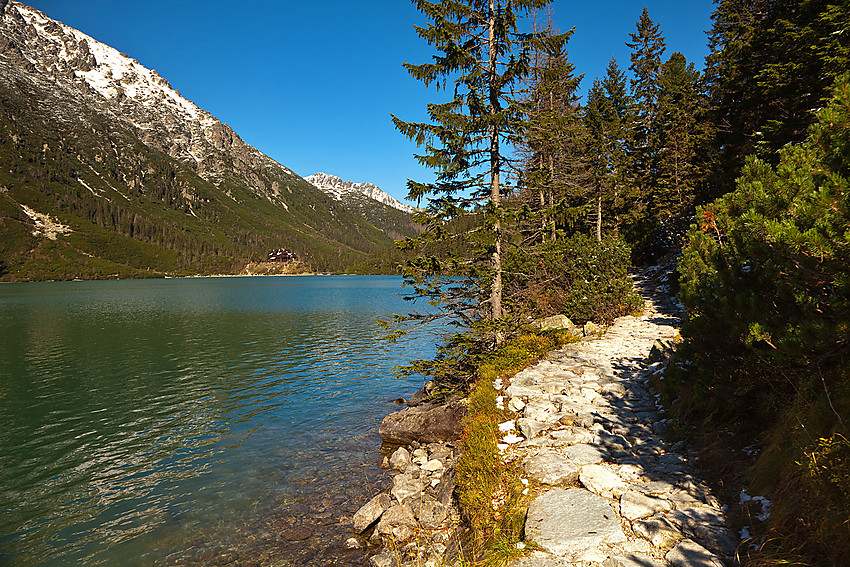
point(338, 189)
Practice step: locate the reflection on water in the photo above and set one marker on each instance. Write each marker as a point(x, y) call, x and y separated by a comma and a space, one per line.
point(191, 419)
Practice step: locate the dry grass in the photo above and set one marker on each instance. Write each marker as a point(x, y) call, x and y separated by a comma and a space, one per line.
point(489, 490)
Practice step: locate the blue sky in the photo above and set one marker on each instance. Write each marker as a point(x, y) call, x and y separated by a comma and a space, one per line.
point(312, 83)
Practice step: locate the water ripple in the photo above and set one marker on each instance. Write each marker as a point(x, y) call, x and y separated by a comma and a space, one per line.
point(134, 413)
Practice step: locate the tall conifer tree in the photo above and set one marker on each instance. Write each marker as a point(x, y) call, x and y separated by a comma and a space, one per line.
point(484, 56)
point(608, 117)
point(552, 142)
point(647, 47)
point(681, 132)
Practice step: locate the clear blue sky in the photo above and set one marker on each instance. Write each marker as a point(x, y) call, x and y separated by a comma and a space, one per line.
point(312, 83)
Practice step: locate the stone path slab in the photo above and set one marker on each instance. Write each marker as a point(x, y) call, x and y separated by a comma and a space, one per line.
point(567, 521)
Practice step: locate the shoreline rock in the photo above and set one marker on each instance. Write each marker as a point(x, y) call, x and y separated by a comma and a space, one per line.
point(426, 422)
point(416, 521)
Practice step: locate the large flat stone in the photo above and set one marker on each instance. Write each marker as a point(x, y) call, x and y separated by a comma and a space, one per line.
point(549, 467)
point(658, 531)
point(634, 505)
point(584, 454)
point(570, 521)
point(425, 423)
point(571, 436)
point(539, 410)
point(531, 427)
point(601, 481)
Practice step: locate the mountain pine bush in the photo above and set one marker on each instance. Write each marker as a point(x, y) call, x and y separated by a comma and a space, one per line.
point(765, 277)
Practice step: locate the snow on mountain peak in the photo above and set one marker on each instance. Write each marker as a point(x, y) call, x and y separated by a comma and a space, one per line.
point(338, 189)
point(114, 74)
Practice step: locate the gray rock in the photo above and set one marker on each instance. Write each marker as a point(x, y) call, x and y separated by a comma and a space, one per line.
point(523, 392)
point(406, 486)
point(425, 423)
point(423, 395)
point(632, 560)
point(655, 487)
point(689, 553)
point(400, 459)
point(530, 428)
point(557, 322)
point(658, 531)
point(634, 505)
point(571, 436)
point(661, 350)
point(369, 514)
point(719, 540)
point(383, 559)
point(584, 454)
point(420, 456)
point(684, 500)
point(353, 543)
point(591, 329)
point(698, 516)
point(601, 481)
point(549, 467)
point(398, 523)
point(616, 442)
point(571, 521)
point(540, 410)
point(430, 514)
point(615, 388)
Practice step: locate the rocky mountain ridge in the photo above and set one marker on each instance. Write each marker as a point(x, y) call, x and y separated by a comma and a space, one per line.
point(138, 97)
point(344, 190)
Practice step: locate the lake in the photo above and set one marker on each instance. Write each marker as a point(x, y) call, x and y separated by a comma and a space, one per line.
point(194, 421)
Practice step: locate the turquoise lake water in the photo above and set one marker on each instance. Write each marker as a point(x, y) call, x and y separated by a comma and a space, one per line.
point(193, 421)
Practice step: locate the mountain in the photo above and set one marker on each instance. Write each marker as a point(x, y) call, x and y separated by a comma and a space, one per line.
point(368, 202)
point(136, 180)
point(349, 191)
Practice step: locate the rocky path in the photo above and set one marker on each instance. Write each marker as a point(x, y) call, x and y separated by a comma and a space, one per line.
point(610, 490)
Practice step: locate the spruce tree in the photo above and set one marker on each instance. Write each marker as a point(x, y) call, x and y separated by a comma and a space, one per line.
point(681, 131)
point(552, 143)
point(608, 118)
point(483, 55)
point(647, 47)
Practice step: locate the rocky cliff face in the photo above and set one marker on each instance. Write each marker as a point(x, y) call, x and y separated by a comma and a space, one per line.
point(142, 177)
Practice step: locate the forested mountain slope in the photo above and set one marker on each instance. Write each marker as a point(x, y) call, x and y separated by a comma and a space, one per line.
point(142, 180)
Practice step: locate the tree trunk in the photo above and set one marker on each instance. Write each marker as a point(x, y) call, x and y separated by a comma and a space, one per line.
point(496, 260)
point(599, 216)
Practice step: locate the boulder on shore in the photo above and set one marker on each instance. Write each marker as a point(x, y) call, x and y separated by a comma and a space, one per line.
point(424, 423)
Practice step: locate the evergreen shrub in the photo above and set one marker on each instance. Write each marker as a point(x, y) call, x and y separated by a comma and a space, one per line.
point(765, 278)
point(578, 276)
